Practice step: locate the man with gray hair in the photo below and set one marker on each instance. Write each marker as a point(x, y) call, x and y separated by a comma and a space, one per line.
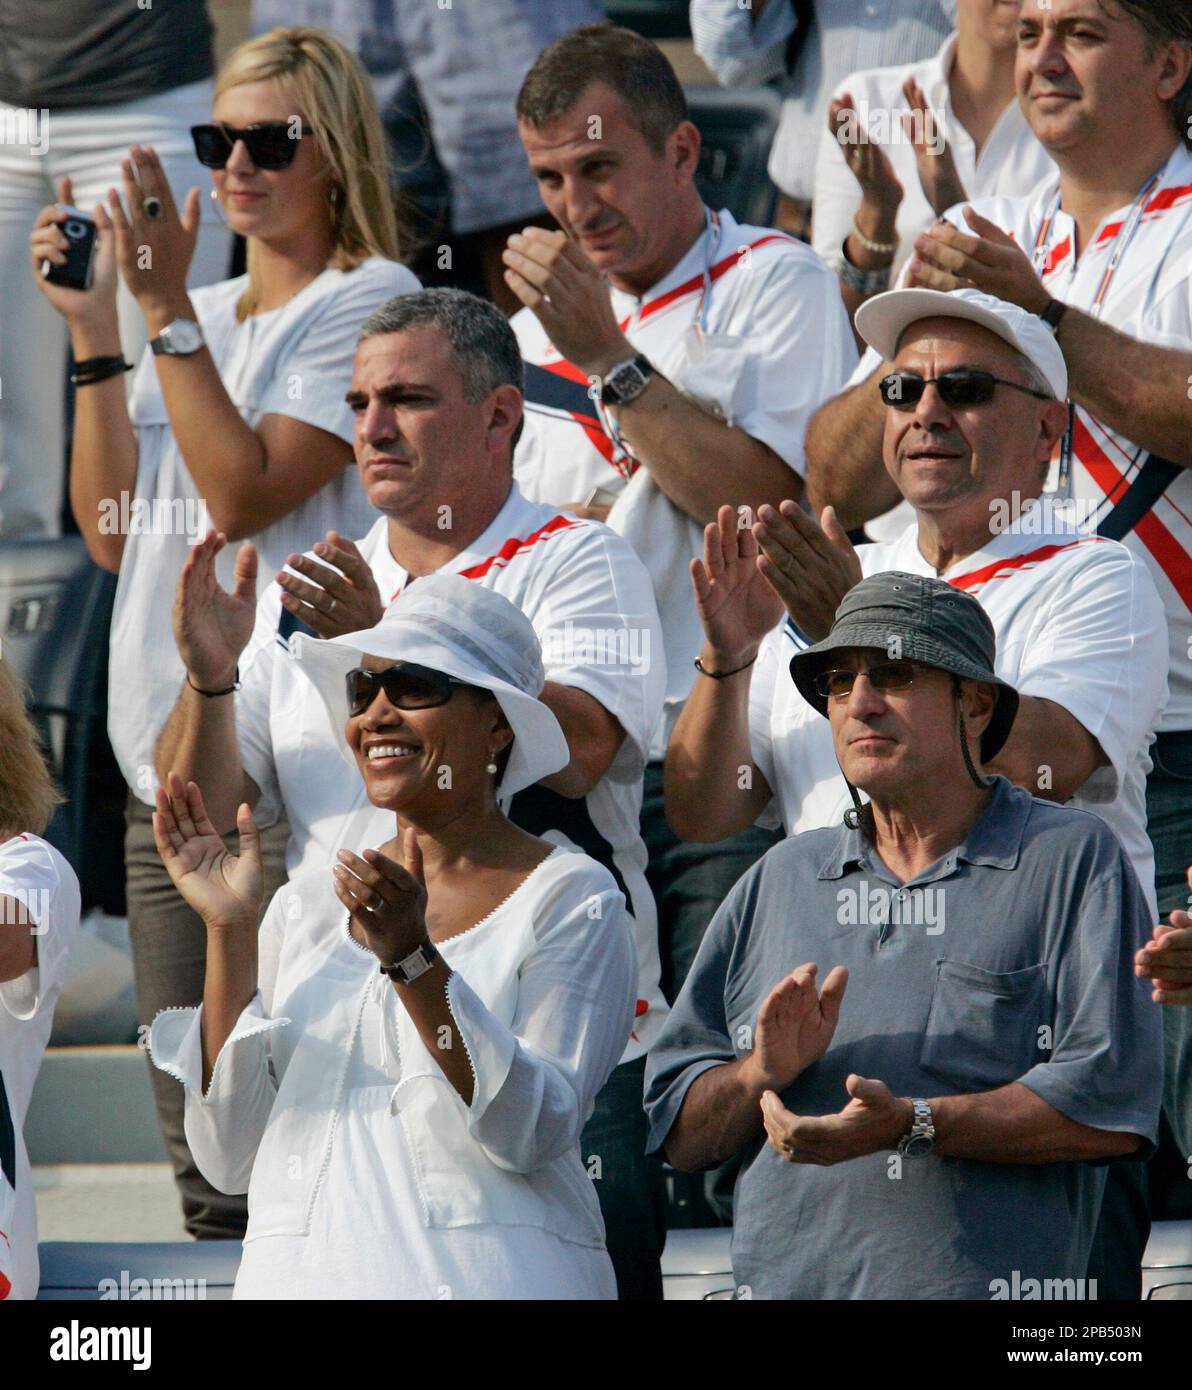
point(437, 394)
point(973, 408)
point(965, 1036)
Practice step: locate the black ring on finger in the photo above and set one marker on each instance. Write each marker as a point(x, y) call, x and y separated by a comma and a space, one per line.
point(152, 207)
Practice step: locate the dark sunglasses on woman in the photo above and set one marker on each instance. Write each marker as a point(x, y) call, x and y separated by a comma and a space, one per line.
point(406, 685)
point(964, 386)
point(886, 675)
point(271, 145)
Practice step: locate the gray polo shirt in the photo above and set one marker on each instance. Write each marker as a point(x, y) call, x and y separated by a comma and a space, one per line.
point(1010, 959)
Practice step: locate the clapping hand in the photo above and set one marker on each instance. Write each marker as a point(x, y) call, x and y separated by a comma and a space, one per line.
point(1166, 960)
point(224, 889)
point(946, 258)
point(809, 568)
point(153, 251)
point(868, 162)
point(344, 596)
point(387, 900)
point(795, 1026)
point(873, 1120)
point(211, 626)
point(937, 169)
point(735, 604)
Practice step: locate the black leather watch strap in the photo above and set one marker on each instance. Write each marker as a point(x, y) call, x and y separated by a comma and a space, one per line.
point(1052, 314)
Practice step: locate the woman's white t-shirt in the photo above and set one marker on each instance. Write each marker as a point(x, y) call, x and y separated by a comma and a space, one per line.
point(34, 874)
point(296, 361)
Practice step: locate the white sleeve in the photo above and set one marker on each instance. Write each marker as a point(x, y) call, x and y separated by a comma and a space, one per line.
point(740, 52)
point(802, 349)
point(313, 377)
point(1100, 651)
point(36, 876)
point(253, 729)
point(224, 1127)
point(761, 699)
point(597, 621)
point(536, 1081)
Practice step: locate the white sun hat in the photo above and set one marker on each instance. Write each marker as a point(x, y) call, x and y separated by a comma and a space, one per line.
point(464, 630)
point(882, 320)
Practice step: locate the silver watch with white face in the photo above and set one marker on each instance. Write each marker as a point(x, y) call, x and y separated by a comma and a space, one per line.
point(417, 963)
point(920, 1138)
point(178, 339)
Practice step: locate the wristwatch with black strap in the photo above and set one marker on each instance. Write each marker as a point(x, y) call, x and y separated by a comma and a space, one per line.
point(409, 968)
point(626, 381)
point(178, 339)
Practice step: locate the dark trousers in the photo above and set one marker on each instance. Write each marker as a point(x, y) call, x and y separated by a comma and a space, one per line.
point(1136, 1193)
point(689, 882)
point(169, 956)
point(631, 1187)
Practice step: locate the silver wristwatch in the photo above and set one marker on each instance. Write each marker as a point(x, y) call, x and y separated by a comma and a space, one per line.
point(178, 339)
point(417, 963)
point(920, 1139)
point(626, 381)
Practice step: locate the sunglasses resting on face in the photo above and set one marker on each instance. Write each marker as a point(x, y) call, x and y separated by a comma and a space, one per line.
point(406, 685)
point(271, 145)
point(837, 684)
point(960, 387)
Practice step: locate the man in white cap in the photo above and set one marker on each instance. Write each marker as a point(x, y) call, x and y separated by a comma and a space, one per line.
point(974, 405)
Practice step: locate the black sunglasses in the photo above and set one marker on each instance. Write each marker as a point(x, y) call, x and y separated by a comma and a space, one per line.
point(961, 387)
point(406, 685)
point(837, 684)
point(271, 145)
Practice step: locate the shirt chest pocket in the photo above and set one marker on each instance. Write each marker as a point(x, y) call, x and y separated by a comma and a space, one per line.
point(983, 1025)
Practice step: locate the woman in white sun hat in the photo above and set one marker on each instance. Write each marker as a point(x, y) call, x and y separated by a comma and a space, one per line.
point(412, 1130)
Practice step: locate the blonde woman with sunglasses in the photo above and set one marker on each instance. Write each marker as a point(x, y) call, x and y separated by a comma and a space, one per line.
point(236, 418)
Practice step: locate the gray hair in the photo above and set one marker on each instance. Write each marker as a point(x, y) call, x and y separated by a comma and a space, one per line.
point(484, 348)
point(1034, 376)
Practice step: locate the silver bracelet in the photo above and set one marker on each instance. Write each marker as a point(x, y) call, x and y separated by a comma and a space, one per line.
point(864, 282)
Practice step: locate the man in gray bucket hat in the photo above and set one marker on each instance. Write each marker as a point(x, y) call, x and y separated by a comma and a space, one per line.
point(964, 1035)
point(914, 621)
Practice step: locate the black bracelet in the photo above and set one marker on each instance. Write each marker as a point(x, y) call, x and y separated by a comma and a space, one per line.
point(213, 694)
point(93, 369)
point(722, 675)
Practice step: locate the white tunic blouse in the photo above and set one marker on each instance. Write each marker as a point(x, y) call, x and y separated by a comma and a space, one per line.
point(367, 1175)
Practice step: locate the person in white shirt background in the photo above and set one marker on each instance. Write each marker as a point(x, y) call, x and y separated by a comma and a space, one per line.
point(39, 916)
point(437, 397)
point(237, 412)
point(815, 44)
point(904, 144)
point(416, 1136)
point(1104, 252)
point(673, 359)
point(1080, 628)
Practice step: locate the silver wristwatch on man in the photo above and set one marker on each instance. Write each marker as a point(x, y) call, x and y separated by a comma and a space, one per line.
point(626, 381)
point(178, 339)
point(920, 1138)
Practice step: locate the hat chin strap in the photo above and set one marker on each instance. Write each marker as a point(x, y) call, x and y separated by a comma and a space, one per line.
point(852, 817)
point(978, 780)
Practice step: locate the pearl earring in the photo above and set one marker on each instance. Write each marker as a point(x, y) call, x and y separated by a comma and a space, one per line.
point(492, 769)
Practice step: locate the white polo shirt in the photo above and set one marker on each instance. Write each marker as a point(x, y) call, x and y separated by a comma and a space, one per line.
point(35, 874)
point(589, 600)
point(1077, 621)
point(1149, 298)
point(1010, 164)
point(775, 345)
point(295, 360)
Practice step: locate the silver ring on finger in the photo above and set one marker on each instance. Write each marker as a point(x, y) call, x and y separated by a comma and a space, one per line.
point(152, 207)
point(331, 607)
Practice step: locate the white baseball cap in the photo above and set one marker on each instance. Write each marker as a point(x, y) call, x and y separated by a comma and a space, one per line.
point(882, 320)
point(464, 630)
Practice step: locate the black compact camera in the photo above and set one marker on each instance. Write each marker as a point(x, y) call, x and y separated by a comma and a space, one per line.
point(79, 230)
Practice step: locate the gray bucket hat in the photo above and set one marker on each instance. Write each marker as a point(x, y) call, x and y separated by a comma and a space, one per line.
point(921, 619)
